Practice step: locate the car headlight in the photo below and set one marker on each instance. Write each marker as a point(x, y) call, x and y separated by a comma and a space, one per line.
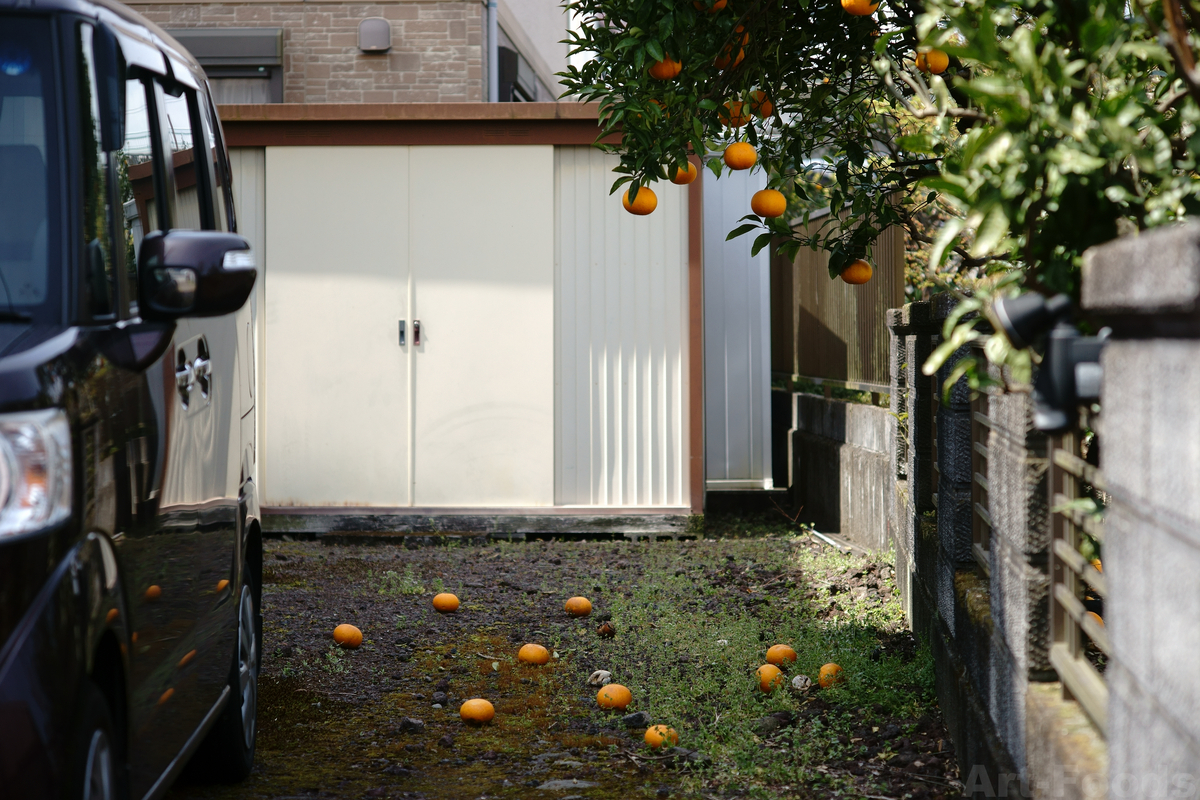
point(35, 470)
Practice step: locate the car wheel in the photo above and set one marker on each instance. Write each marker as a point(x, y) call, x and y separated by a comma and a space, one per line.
point(227, 753)
point(95, 771)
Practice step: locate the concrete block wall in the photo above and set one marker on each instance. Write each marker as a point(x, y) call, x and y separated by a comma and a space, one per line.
point(1147, 288)
point(842, 457)
point(437, 47)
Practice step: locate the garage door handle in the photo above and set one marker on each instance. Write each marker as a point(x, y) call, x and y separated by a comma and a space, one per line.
point(417, 332)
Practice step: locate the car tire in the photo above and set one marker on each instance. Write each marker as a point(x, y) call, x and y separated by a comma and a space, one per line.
point(227, 753)
point(95, 767)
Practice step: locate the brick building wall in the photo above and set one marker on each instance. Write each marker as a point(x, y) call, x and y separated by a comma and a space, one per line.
point(437, 47)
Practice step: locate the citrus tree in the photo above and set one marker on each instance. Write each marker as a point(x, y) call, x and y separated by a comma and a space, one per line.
point(1037, 128)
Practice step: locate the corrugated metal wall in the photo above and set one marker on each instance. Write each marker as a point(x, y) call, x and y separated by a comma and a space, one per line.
point(834, 330)
point(621, 333)
point(737, 345)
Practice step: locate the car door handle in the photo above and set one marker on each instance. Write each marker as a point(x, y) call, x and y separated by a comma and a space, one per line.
point(417, 332)
point(201, 367)
point(185, 378)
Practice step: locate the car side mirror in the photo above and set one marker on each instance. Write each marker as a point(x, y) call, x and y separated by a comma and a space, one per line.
point(193, 274)
point(110, 77)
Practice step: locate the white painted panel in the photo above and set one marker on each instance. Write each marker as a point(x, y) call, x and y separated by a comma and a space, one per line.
point(482, 259)
point(620, 357)
point(737, 340)
point(337, 232)
point(249, 185)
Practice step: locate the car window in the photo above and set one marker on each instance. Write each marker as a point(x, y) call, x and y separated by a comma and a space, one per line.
point(219, 167)
point(97, 206)
point(30, 273)
point(135, 178)
point(193, 200)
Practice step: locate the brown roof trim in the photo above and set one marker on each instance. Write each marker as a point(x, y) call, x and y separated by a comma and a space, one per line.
point(274, 124)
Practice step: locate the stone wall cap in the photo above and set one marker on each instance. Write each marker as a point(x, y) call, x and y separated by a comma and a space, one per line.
point(360, 112)
point(1154, 272)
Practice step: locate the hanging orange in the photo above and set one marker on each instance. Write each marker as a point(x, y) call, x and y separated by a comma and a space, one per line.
point(734, 114)
point(685, 174)
point(658, 735)
point(740, 155)
point(445, 602)
point(533, 654)
point(477, 711)
point(859, 271)
point(769, 677)
point(829, 675)
point(666, 69)
point(934, 61)
point(761, 105)
point(614, 696)
point(770, 203)
point(645, 203)
point(859, 8)
point(347, 636)
point(780, 654)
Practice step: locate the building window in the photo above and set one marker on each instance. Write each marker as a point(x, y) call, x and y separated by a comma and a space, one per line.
point(244, 65)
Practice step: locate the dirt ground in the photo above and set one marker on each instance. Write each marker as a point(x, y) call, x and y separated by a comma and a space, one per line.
point(692, 619)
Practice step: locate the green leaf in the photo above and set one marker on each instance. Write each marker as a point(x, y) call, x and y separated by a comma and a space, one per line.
point(741, 230)
point(654, 50)
point(762, 241)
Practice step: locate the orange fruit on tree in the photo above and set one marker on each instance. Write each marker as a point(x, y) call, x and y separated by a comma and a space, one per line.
point(740, 155)
point(645, 203)
point(445, 602)
point(152, 592)
point(346, 635)
point(614, 696)
point(726, 58)
point(859, 271)
point(685, 174)
point(829, 675)
point(222, 585)
point(769, 677)
point(1096, 618)
point(934, 61)
point(658, 735)
point(714, 8)
point(761, 104)
point(581, 606)
point(477, 711)
point(1098, 565)
point(666, 69)
point(770, 203)
point(734, 114)
point(780, 654)
point(111, 615)
point(860, 8)
point(533, 654)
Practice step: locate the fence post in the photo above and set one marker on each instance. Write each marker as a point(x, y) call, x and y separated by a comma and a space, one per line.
point(1147, 288)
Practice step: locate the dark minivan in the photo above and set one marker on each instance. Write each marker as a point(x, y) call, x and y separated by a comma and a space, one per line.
point(130, 551)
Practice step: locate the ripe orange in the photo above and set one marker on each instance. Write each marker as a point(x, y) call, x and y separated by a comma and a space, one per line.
point(445, 602)
point(717, 6)
point(111, 615)
point(581, 606)
point(829, 675)
point(1099, 620)
point(934, 61)
point(734, 114)
point(533, 654)
point(183, 662)
point(614, 696)
point(222, 584)
point(658, 735)
point(761, 104)
point(858, 272)
point(860, 8)
point(1098, 565)
point(153, 592)
point(167, 695)
point(726, 58)
point(769, 677)
point(740, 155)
point(685, 174)
point(477, 711)
point(780, 654)
point(644, 204)
point(666, 69)
point(347, 636)
point(770, 203)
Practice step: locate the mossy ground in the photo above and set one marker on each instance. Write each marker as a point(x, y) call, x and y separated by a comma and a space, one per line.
point(693, 621)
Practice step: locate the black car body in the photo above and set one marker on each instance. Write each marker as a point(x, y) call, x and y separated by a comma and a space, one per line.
point(130, 551)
